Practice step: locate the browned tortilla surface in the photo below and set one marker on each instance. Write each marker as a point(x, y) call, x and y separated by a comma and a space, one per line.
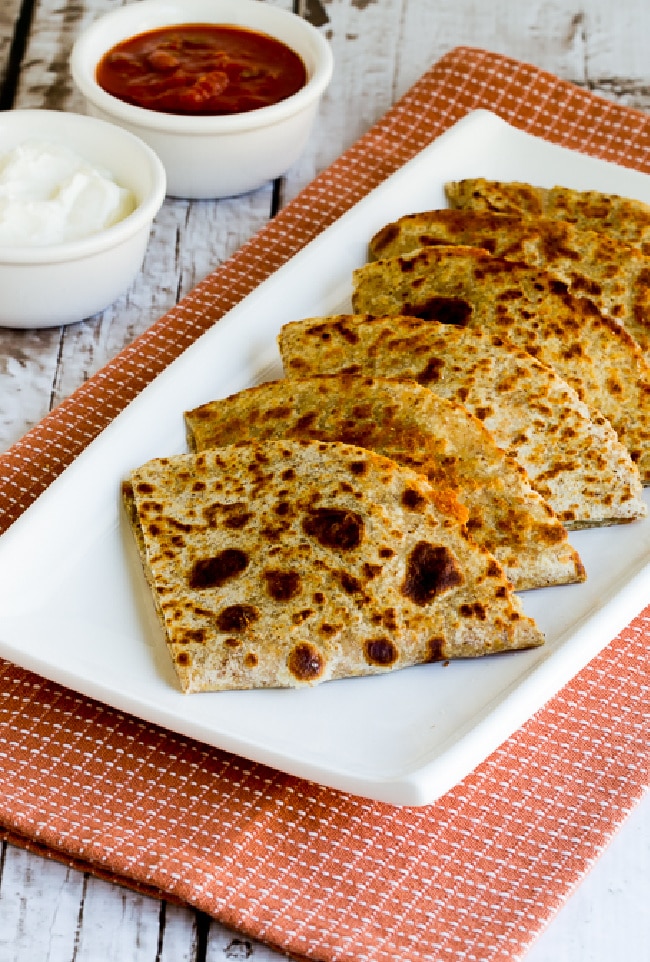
point(622, 217)
point(613, 274)
point(417, 428)
point(288, 563)
point(468, 286)
point(572, 459)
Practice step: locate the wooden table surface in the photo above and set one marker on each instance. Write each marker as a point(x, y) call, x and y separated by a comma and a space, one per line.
point(48, 912)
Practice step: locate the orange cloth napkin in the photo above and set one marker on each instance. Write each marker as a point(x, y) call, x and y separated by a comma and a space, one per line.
point(321, 874)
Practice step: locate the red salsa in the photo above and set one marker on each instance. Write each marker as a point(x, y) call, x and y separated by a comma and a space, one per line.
point(201, 68)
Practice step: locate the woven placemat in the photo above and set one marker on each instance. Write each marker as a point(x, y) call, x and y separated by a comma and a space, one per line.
point(318, 873)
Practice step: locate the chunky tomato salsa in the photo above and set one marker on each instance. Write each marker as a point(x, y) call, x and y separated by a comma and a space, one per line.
point(201, 68)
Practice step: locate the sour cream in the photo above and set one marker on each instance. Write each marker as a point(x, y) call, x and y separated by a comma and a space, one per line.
point(49, 195)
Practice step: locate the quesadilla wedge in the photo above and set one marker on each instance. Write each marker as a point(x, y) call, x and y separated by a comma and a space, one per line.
point(468, 286)
point(614, 275)
point(421, 430)
point(622, 217)
point(574, 461)
point(288, 563)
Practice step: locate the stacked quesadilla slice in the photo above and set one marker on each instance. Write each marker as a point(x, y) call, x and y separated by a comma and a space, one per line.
point(621, 217)
point(614, 275)
point(286, 563)
point(573, 459)
point(417, 428)
point(465, 286)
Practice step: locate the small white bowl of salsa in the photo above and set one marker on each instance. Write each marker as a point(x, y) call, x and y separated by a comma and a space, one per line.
point(226, 92)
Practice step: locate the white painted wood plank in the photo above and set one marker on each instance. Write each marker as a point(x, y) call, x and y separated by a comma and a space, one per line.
point(115, 923)
point(39, 908)
point(227, 944)
point(178, 934)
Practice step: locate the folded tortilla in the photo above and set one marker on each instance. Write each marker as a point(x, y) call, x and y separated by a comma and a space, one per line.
point(288, 563)
point(437, 437)
point(622, 217)
point(573, 460)
point(614, 275)
point(468, 286)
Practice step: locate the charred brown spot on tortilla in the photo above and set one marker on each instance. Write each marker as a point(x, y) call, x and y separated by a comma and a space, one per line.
point(183, 658)
point(507, 295)
point(273, 533)
point(193, 636)
point(280, 411)
point(251, 660)
point(445, 310)
point(573, 351)
point(558, 287)
point(335, 528)
point(483, 412)
point(380, 651)
point(585, 285)
point(326, 630)
point(215, 572)
point(614, 385)
point(237, 617)
point(431, 372)
point(319, 330)
point(145, 488)
point(305, 662)
point(389, 619)
point(298, 617)
point(237, 520)
point(282, 585)
point(179, 525)
point(430, 571)
point(436, 648)
point(475, 610)
point(347, 332)
point(413, 500)
point(358, 468)
point(212, 513)
point(350, 584)
point(372, 571)
point(305, 422)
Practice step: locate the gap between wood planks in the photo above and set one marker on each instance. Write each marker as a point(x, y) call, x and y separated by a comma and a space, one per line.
point(16, 53)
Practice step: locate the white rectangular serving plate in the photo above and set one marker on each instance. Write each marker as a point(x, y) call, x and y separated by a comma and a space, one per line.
point(75, 607)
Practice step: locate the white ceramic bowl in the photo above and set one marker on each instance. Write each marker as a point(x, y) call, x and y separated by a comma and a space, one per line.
point(44, 286)
point(216, 156)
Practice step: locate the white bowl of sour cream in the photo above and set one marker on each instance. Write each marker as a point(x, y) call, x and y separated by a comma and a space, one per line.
point(78, 197)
